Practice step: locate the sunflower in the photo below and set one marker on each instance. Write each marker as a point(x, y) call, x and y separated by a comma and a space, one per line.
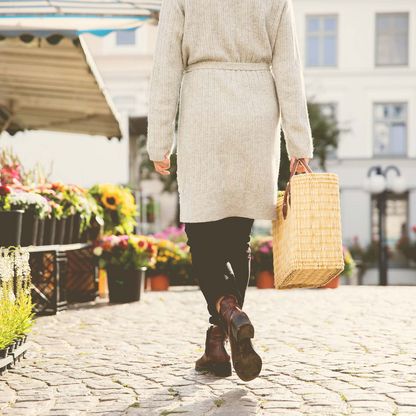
point(110, 201)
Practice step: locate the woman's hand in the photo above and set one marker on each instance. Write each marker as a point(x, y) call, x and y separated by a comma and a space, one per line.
point(300, 168)
point(163, 165)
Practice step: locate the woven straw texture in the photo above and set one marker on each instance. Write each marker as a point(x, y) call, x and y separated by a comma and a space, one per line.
point(307, 245)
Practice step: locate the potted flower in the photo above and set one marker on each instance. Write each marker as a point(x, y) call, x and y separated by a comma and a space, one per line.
point(407, 247)
point(182, 272)
point(119, 207)
point(125, 258)
point(35, 207)
point(10, 219)
point(262, 261)
point(170, 257)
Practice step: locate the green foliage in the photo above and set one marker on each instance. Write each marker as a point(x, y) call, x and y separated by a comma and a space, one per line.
point(16, 309)
point(325, 133)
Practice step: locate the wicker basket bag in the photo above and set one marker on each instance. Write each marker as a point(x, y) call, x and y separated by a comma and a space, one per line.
point(307, 240)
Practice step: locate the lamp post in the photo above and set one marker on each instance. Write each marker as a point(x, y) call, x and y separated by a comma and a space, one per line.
point(379, 182)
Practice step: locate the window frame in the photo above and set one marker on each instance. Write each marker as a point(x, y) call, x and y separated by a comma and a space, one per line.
point(321, 35)
point(406, 120)
point(376, 34)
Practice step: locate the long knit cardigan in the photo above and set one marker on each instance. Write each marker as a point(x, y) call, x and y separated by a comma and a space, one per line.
point(232, 72)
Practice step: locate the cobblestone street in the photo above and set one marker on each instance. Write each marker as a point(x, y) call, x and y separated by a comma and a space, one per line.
point(346, 351)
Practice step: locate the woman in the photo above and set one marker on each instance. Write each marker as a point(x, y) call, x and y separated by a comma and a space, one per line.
point(234, 70)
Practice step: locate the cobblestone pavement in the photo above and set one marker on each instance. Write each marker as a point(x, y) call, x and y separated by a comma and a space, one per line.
point(348, 351)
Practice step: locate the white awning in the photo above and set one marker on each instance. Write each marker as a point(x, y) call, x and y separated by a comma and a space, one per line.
point(47, 79)
point(53, 86)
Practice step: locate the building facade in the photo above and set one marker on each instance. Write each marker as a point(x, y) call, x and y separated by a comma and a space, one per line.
point(360, 65)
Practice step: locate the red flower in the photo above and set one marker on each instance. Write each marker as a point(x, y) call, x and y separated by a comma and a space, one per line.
point(4, 190)
point(141, 243)
point(124, 243)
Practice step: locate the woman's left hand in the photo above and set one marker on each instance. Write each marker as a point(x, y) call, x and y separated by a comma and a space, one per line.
point(300, 168)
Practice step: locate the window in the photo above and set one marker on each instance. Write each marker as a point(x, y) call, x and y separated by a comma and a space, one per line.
point(329, 110)
point(321, 40)
point(392, 39)
point(125, 37)
point(390, 129)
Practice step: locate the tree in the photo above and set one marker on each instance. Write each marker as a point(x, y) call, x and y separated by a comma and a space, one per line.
point(325, 133)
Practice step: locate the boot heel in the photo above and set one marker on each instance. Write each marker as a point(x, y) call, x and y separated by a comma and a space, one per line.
point(241, 327)
point(221, 369)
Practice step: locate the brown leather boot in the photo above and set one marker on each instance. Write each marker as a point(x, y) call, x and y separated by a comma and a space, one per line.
point(215, 359)
point(247, 363)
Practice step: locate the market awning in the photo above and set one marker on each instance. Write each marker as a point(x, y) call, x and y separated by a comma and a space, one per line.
point(53, 86)
point(48, 81)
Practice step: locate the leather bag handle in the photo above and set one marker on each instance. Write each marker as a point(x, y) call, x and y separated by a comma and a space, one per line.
point(286, 198)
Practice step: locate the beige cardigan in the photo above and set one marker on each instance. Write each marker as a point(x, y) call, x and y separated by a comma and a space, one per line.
point(234, 71)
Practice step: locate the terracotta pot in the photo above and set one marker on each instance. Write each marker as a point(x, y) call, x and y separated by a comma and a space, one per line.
point(102, 283)
point(159, 282)
point(265, 280)
point(332, 284)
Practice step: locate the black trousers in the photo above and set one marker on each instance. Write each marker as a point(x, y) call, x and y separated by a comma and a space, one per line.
point(221, 256)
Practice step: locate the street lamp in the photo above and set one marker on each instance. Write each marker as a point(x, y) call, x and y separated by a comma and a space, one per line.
point(379, 182)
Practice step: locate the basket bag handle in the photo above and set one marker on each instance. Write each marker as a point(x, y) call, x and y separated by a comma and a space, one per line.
point(286, 198)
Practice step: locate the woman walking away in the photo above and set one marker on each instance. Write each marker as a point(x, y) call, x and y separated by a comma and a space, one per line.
point(233, 72)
